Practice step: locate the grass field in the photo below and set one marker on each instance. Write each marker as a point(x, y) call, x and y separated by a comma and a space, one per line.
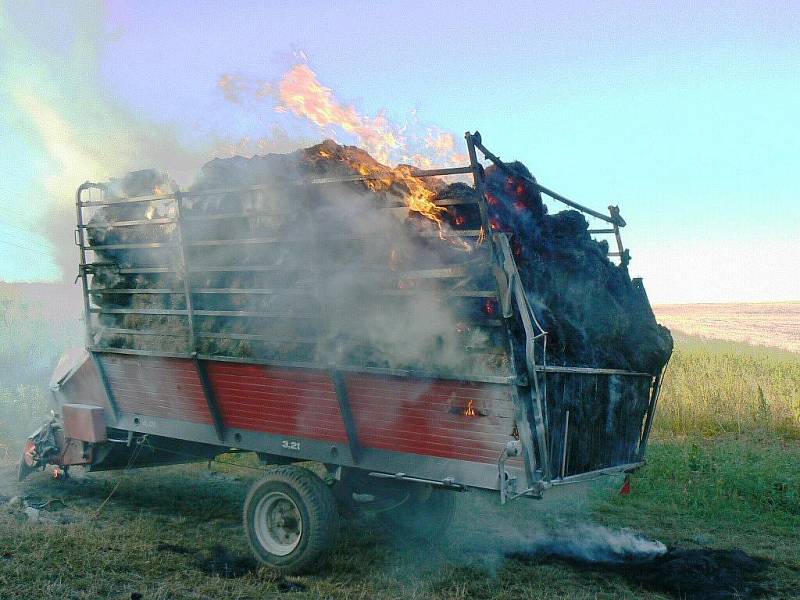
point(722, 493)
point(717, 388)
point(723, 471)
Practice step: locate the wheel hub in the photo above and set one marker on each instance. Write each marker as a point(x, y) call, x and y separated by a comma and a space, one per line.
point(278, 523)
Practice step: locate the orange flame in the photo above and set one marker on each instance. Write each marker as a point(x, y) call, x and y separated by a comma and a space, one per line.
point(442, 144)
point(417, 194)
point(470, 410)
point(302, 94)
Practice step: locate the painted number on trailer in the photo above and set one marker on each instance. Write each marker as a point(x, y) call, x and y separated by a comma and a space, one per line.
point(289, 445)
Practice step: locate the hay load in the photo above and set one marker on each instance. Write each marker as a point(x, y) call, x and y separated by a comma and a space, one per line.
point(319, 274)
point(390, 272)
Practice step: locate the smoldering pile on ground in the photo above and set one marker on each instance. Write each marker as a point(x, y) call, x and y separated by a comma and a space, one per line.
point(319, 286)
point(495, 542)
point(557, 533)
point(688, 573)
point(226, 563)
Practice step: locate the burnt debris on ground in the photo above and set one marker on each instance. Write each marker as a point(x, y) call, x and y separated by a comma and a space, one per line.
point(690, 574)
point(225, 563)
point(221, 562)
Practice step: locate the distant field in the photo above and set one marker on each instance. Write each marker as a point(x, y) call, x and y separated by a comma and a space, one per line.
point(774, 324)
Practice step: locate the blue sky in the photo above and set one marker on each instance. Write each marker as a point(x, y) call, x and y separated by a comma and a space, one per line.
point(683, 113)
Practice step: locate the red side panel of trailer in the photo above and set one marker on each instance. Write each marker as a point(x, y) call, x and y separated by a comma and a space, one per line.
point(289, 402)
point(427, 416)
point(157, 387)
point(398, 414)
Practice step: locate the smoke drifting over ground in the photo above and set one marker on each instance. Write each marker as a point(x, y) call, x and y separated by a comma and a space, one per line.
point(499, 545)
point(555, 531)
point(592, 544)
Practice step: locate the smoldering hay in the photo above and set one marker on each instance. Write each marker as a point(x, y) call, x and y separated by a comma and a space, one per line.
point(352, 272)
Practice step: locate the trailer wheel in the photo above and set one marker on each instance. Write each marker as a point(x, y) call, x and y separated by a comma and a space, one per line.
point(290, 518)
point(426, 513)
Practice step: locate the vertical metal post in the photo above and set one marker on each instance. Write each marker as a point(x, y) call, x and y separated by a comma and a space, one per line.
point(565, 443)
point(614, 212)
point(477, 178)
point(101, 372)
point(528, 412)
point(82, 265)
point(651, 412)
point(538, 405)
point(522, 413)
point(186, 273)
point(211, 399)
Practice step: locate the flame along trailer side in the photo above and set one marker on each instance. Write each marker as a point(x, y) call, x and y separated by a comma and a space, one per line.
point(397, 442)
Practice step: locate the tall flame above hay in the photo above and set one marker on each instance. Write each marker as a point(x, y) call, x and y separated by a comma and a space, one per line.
point(301, 94)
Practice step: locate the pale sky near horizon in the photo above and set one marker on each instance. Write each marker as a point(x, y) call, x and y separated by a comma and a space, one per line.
point(683, 113)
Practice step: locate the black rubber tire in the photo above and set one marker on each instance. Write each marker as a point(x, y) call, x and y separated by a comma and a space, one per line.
point(426, 514)
point(318, 513)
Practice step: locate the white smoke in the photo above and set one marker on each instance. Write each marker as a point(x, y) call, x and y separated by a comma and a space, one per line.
point(592, 543)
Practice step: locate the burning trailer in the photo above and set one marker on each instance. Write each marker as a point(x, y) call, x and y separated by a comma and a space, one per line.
point(413, 336)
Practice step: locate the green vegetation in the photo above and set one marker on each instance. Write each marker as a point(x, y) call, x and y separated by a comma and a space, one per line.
point(715, 388)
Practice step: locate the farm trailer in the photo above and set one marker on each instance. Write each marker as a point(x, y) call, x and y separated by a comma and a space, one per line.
point(394, 441)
